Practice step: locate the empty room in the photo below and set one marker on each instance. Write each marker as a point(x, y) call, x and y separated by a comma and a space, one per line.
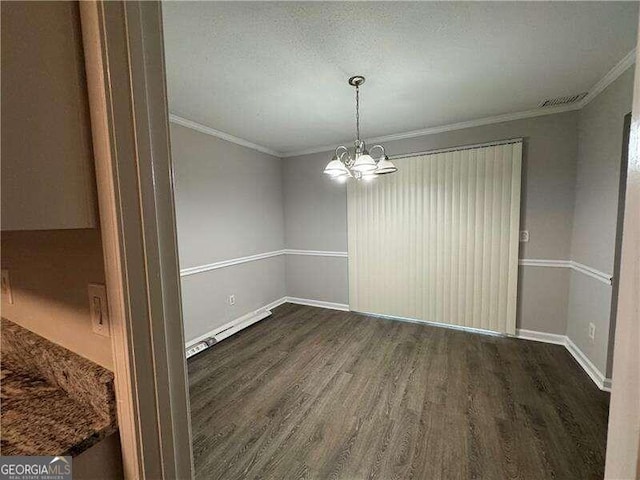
point(321, 240)
point(397, 229)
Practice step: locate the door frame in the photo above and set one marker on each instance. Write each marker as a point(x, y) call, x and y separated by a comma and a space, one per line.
point(124, 57)
point(617, 257)
point(623, 436)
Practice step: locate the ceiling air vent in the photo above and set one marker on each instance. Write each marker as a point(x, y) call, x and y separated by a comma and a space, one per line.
point(566, 100)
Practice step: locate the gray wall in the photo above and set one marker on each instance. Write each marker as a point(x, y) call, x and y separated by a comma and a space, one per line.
point(315, 213)
point(596, 211)
point(317, 278)
point(228, 205)
point(233, 201)
point(204, 295)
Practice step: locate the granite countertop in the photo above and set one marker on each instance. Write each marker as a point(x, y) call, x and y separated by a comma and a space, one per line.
point(54, 402)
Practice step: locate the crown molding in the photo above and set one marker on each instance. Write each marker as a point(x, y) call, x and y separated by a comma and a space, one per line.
point(628, 60)
point(178, 120)
point(611, 76)
point(507, 117)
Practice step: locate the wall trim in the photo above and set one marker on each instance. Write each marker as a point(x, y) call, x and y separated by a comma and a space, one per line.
point(259, 256)
point(601, 381)
point(479, 122)
point(184, 122)
point(248, 319)
point(603, 277)
point(228, 263)
point(591, 272)
point(527, 262)
point(618, 69)
point(318, 303)
point(239, 323)
point(244, 321)
point(535, 262)
point(610, 77)
point(541, 336)
point(596, 375)
point(315, 253)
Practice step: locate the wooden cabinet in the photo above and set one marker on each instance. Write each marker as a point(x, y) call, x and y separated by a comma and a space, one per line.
point(48, 179)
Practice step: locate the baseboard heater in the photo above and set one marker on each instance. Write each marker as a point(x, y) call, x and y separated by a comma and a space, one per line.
point(225, 331)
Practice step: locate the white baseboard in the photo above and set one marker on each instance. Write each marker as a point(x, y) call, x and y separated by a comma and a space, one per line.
point(596, 375)
point(229, 328)
point(240, 323)
point(277, 303)
point(318, 303)
point(541, 336)
point(602, 382)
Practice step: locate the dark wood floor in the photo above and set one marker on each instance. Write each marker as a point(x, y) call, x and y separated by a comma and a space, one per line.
point(322, 394)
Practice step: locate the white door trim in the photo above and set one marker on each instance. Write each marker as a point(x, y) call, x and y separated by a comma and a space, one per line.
point(127, 95)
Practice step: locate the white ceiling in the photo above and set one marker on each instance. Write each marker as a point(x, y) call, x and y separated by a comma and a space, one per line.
point(275, 73)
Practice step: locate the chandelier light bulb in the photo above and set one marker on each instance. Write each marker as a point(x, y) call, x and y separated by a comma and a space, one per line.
point(385, 166)
point(341, 178)
point(364, 163)
point(335, 168)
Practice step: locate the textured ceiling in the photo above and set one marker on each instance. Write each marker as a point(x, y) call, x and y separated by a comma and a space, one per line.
point(274, 73)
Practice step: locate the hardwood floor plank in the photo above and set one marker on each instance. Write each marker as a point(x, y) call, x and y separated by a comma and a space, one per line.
point(315, 394)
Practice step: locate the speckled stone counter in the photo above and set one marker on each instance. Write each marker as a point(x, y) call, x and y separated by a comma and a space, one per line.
point(54, 402)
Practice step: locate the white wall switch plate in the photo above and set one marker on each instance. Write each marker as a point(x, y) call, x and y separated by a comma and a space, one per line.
point(99, 309)
point(524, 236)
point(592, 332)
point(232, 299)
point(5, 285)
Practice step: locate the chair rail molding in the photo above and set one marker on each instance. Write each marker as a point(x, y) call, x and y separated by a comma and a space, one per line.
point(573, 265)
point(525, 262)
point(259, 256)
point(228, 263)
point(316, 253)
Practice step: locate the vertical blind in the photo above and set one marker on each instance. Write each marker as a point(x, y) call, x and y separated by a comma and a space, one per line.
point(438, 240)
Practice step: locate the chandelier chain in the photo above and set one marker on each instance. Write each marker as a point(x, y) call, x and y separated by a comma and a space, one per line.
point(357, 112)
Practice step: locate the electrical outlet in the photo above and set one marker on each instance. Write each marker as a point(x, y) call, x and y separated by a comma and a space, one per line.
point(524, 236)
point(99, 309)
point(7, 294)
point(592, 332)
point(232, 300)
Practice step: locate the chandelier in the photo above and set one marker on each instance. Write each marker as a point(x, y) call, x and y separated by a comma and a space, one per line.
point(363, 165)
